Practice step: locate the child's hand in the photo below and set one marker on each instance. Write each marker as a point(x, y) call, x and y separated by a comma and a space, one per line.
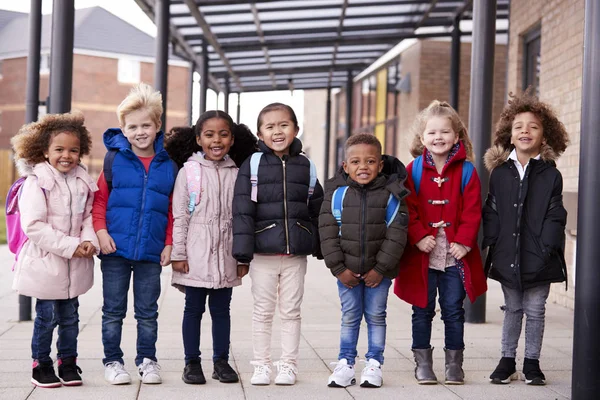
point(88, 248)
point(458, 250)
point(242, 270)
point(107, 244)
point(426, 244)
point(348, 278)
point(372, 278)
point(80, 252)
point(180, 266)
point(165, 255)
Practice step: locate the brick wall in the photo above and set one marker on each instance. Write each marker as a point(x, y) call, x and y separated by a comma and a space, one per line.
point(560, 84)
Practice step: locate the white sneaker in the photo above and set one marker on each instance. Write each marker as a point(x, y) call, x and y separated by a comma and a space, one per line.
point(262, 374)
point(343, 374)
point(115, 374)
point(287, 373)
point(150, 371)
point(371, 375)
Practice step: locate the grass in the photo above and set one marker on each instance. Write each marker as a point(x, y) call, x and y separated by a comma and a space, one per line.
point(2, 228)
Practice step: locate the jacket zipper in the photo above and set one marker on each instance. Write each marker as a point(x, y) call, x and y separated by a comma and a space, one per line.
point(265, 228)
point(285, 215)
point(219, 224)
point(70, 227)
point(517, 271)
point(362, 227)
point(141, 219)
point(303, 227)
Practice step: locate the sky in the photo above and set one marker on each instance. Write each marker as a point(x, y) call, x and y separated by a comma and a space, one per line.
point(128, 10)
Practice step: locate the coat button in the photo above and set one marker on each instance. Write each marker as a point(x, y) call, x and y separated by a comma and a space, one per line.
point(515, 205)
point(512, 265)
point(514, 234)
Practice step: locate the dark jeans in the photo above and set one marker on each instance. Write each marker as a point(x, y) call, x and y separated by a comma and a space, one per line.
point(49, 314)
point(219, 301)
point(452, 295)
point(116, 275)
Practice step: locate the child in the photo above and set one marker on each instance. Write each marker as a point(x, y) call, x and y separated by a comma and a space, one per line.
point(203, 266)
point(362, 252)
point(445, 212)
point(275, 226)
point(526, 249)
point(56, 264)
point(132, 220)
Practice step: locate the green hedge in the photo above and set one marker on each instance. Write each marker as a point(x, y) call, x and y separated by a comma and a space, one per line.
point(2, 228)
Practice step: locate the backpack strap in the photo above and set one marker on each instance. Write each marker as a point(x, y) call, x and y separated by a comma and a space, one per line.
point(109, 158)
point(254, 163)
point(313, 177)
point(193, 174)
point(467, 171)
point(393, 206)
point(417, 172)
point(337, 205)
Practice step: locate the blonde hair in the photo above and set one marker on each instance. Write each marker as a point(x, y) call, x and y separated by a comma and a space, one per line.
point(33, 139)
point(142, 96)
point(439, 109)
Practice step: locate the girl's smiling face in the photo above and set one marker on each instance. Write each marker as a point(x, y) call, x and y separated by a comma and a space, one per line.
point(439, 136)
point(215, 139)
point(527, 134)
point(64, 151)
point(278, 131)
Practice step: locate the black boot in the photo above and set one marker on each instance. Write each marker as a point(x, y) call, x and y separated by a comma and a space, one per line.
point(224, 373)
point(192, 374)
point(68, 372)
point(533, 373)
point(505, 371)
point(43, 375)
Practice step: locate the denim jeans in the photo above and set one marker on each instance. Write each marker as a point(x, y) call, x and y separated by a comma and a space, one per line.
point(452, 295)
point(372, 303)
point(49, 314)
point(532, 303)
point(219, 301)
point(116, 275)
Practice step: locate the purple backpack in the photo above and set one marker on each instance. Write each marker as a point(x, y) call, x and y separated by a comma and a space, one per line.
point(15, 236)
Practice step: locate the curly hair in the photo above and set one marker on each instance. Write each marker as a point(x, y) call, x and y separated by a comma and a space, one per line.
point(181, 141)
point(363, 138)
point(141, 97)
point(33, 139)
point(439, 109)
point(555, 134)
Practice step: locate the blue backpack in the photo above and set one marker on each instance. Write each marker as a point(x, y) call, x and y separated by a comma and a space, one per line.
point(337, 206)
point(417, 172)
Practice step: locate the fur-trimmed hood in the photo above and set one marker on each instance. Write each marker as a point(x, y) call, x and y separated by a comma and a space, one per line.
point(497, 155)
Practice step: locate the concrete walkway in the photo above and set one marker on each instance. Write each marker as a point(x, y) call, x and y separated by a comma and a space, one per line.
point(320, 337)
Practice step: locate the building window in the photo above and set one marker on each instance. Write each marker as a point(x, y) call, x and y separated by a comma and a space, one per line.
point(531, 60)
point(44, 64)
point(129, 71)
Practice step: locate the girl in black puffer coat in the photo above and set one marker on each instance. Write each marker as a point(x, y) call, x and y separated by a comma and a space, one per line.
point(524, 225)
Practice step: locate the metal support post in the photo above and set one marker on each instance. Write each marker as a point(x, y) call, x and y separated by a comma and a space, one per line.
point(161, 66)
point(349, 92)
point(239, 108)
point(204, 77)
point(61, 63)
point(327, 133)
point(226, 94)
point(191, 94)
point(455, 64)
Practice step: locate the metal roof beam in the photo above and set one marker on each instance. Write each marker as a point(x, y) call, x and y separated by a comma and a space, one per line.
point(299, 70)
point(261, 38)
point(210, 37)
point(340, 28)
point(180, 40)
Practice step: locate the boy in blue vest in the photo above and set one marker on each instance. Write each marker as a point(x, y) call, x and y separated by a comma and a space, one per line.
point(363, 226)
point(133, 222)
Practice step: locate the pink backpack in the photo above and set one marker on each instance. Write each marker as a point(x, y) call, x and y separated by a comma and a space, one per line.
point(193, 173)
point(15, 236)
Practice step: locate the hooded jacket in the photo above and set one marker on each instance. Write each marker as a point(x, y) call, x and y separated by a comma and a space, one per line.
point(204, 238)
point(524, 221)
point(284, 220)
point(461, 213)
point(138, 204)
point(365, 241)
point(55, 210)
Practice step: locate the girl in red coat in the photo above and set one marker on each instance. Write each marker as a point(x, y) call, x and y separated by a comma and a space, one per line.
point(442, 254)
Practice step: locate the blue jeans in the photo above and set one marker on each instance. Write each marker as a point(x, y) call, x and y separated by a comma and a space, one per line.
point(452, 295)
point(116, 274)
point(49, 314)
point(372, 303)
point(195, 305)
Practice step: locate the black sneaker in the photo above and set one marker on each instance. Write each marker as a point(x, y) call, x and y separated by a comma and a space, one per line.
point(68, 371)
point(43, 375)
point(533, 373)
point(192, 373)
point(505, 371)
point(224, 373)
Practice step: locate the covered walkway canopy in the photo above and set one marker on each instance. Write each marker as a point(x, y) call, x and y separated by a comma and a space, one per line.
point(300, 44)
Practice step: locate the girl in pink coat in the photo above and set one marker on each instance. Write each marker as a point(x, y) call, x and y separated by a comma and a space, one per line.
point(203, 266)
point(56, 263)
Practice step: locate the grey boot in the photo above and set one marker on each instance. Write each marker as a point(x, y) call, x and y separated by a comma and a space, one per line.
point(454, 372)
point(424, 369)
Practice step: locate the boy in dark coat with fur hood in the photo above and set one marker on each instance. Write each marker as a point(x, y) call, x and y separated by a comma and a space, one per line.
point(362, 250)
point(524, 226)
